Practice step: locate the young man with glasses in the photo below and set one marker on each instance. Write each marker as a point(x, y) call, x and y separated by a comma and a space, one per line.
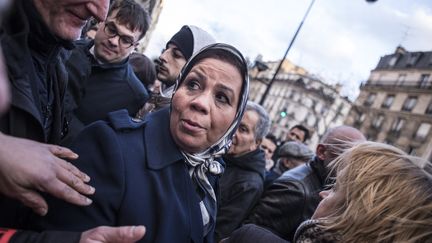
point(100, 77)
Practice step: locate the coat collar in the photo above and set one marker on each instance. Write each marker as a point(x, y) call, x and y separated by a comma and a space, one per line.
point(160, 147)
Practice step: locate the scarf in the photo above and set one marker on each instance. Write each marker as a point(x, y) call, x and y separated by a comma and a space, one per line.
point(202, 163)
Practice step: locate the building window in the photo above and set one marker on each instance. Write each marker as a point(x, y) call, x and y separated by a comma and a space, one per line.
point(370, 99)
point(413, 59)
point(422, 131)
point(388, 101)
point(397, 125)
point(429, 109)
point(378, 121)
point(424, 81)
point(401, 79)
point(393, 61)
point(409, 103)
point(412, 151)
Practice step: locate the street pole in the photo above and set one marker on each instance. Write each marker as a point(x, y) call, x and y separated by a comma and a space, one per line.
point(263, 98)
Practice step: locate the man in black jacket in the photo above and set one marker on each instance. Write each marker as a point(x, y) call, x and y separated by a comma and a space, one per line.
point(101, 80)
point(34, 38)
point(293, 197)
point(242, 183)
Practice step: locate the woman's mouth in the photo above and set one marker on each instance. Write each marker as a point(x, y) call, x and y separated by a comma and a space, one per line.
point(191, 126)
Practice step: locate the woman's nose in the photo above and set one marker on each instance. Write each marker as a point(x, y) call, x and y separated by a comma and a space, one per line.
point(201, 103)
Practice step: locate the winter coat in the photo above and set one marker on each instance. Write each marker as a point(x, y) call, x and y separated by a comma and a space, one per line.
point(291, 199)
point(140, 178)
point(241, 187)
point(34, 60)
point(96, 89)
point(311, 232)
point(253, 233)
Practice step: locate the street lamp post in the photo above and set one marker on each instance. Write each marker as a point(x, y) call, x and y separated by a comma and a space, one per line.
point(286, 53)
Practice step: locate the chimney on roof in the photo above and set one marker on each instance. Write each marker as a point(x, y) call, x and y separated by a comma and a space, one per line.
point(400, 50)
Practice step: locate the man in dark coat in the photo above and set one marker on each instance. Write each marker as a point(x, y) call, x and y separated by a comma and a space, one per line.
point(101, 80)
point(290, 155)
point(242, 183)
point(34, 37)
point(293, 197)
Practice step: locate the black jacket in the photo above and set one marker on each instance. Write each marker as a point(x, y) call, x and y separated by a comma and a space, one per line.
point(253, 233)
point(34, 59)
point(35, 64)
point(291, 199)
point(241, 187)
point(95, 89)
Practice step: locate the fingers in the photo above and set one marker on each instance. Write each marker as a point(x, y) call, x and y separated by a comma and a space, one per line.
point(67, 185)
point(72, 177)
point(123, 233)
point(74, 170)
point(34, 201)
point(65, 192)
point(62, 152)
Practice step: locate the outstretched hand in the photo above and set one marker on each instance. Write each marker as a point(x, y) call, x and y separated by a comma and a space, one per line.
point(28, 167)
point(105, 234)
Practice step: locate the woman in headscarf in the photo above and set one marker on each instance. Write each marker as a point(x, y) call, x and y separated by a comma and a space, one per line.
point(162, 173)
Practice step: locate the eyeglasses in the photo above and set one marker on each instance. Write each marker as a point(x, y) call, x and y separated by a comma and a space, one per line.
point(111, 31)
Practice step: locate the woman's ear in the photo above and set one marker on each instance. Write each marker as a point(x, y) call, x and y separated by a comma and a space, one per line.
point(320, 151)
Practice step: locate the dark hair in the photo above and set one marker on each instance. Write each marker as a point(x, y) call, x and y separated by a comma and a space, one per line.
point(132, 15)
point(304, 129)
point(143, 68)
point(272, 138)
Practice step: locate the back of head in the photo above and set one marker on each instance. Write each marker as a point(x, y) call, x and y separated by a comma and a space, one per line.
point(143, 68)
point(336, 140)
point(190, 39)
point(131, 14)
point(263, 124)
point(388, 195)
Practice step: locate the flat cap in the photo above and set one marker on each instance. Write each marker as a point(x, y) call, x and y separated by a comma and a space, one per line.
point(296, 150)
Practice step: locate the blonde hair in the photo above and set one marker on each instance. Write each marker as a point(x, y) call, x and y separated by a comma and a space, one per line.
point(387, 195)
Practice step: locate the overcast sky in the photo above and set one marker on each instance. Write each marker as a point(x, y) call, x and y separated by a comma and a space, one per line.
point(340, 41)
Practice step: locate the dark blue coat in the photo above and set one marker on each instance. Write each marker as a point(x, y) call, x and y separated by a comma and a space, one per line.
point(96, 89)
point(140, 179)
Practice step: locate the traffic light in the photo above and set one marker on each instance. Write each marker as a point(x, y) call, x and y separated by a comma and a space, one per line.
point(283, 113)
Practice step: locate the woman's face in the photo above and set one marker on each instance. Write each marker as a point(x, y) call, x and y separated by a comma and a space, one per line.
point(205, 104)
point(331, 200)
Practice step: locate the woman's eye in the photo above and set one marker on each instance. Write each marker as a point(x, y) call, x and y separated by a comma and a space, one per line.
point(192, 85)
point(221, 97)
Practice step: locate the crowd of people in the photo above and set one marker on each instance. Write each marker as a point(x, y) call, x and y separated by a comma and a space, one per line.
point(100, 144)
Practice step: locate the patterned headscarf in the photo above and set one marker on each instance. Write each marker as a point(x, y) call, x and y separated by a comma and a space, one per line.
point(203, 162)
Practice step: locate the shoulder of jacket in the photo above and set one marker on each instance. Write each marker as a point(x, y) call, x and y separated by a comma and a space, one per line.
point(121, 120)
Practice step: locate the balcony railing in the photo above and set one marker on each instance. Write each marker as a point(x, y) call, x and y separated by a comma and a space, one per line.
point(395, 84)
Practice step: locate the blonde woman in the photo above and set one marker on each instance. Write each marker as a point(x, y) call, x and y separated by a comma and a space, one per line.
point(381, 195)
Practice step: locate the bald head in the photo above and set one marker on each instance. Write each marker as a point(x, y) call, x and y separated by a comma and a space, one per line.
point(336, 140)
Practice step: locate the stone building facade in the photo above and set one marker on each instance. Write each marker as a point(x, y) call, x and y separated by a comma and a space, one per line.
point(297, 97)
point(154, 8)
point(395, 103)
